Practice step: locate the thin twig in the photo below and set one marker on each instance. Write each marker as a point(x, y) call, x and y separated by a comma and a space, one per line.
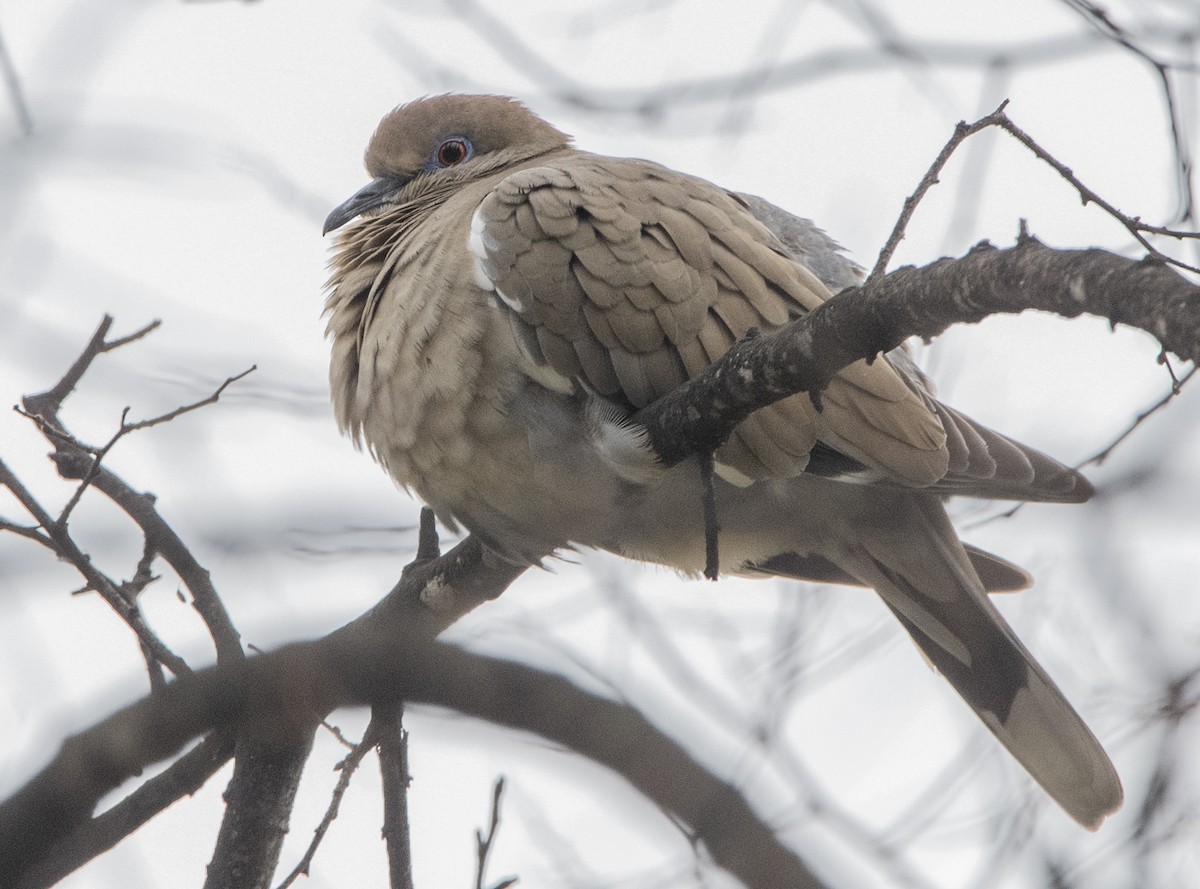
point(66, 548)
point(962, 131)
point(120, 341)
point(484, 842)
point(50, 402)
point(76, 461)
point(32, 532)
point(125, 428)
point(1104, 453)
point(143, 576)
point(57, 394)
point(338, 734)
point(188, 408)
point(347, 768)
point(1104, 23)
point(1100, 456)
point(1132, 224)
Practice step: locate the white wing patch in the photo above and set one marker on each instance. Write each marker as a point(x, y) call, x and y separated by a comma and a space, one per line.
point(515, 304)
point(478, 248)
point(732, 475)
point(545, 376)
point(479, 253)
point(538, 371)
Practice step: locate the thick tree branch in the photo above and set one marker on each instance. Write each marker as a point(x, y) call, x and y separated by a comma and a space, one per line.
point(94, 837)
point(392, 743)
point(433, 593)
point(385, 656)
point(276, 695)
point(862, 322)
point(259, 800)
point(436, 590)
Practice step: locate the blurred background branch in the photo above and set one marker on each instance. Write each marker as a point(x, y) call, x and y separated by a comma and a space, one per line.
point(12, 84)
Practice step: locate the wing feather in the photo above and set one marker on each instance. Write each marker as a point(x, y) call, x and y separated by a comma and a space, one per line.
point(642, 277)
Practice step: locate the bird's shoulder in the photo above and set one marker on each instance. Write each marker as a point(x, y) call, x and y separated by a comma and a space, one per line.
point(629, 220)
point(633, 278)
point(635, 256)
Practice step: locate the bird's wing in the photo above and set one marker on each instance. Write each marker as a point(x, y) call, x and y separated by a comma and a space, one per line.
point(983, 463)
point(632, 279)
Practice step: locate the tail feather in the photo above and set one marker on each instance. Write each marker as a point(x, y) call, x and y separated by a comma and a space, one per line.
point(917, 565)
point(997, 575)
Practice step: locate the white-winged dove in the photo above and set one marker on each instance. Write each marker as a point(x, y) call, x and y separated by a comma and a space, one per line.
point(506, 302)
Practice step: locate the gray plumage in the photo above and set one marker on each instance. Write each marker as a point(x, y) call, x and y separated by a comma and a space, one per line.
point(506, 302)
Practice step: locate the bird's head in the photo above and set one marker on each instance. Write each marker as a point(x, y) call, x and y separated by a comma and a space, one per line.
point(445, 139)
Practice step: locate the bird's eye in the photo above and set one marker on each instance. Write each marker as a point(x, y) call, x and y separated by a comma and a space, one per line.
point(453, 152)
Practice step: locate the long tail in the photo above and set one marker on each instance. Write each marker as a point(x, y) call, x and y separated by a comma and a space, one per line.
point(916, 563)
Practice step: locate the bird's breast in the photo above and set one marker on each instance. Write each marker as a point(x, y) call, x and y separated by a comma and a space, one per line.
point(427, 372)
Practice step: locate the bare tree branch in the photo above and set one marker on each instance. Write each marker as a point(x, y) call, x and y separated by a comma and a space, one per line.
point(268, 762)
point(67, 549)
point(1103, 22)
point(998, 118)
point(1105, 452)
point(259, 795)
point(275, 700)
point(760, 78)
point(484, 841)
point(862, 322)
point(96, 836)
point(392, 742)
point(385, 656)
point(58, 434)
point(74, 461)
point(346, 769)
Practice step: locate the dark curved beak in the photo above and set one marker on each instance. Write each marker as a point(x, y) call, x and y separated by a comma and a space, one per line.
point(374, 194)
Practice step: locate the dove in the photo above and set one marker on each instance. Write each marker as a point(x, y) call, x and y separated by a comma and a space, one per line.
point(502, 304)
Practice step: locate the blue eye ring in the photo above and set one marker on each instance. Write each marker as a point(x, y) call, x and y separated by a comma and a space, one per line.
point(452, 151)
